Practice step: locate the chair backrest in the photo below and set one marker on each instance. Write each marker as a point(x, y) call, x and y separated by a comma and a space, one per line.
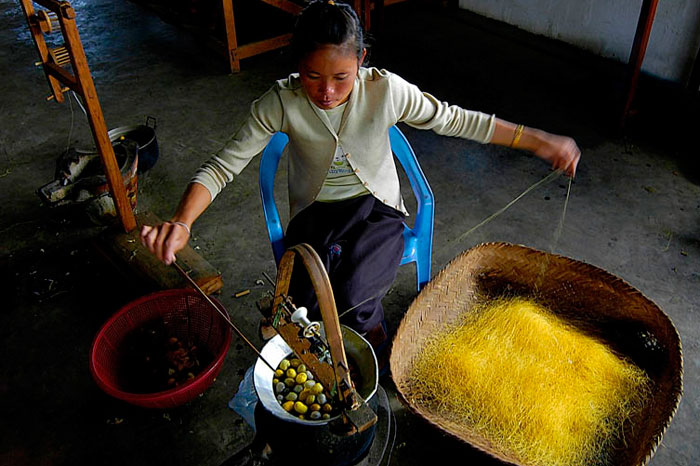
point(419, 183)
point(268, 168)
point(417, 240)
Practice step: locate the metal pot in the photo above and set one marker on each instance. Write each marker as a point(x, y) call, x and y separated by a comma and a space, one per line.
point(145, 137)
point(80, 175)
point(316, 439)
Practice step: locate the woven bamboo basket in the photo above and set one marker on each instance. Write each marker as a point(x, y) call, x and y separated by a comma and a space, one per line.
point(589, 298)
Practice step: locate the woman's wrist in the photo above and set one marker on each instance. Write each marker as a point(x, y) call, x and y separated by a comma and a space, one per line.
point(516, 136)
point(187, 227)
point(194, 201)
point(530, 140)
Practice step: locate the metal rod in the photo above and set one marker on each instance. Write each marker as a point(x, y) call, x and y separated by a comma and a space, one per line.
point(286, 301)
point(272, 282)
point(341, 314)
point(223, 314)
point(357, 305)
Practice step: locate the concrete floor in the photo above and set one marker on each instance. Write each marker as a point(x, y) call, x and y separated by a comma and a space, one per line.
point(634, 211)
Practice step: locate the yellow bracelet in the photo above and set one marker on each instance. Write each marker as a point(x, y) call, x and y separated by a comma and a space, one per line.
point(516, 135)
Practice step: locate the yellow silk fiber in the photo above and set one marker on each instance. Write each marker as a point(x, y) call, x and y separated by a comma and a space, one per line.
point(536, 388)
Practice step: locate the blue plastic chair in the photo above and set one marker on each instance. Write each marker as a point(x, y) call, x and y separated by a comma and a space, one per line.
point(418, 241)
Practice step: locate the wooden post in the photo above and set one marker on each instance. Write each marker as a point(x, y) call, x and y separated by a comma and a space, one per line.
point(694, 81)
point(378, 25)
point(363, 10)
point(284, 5)
point(639, 47)
point(37, 33)
point(81, 82)
point(231, 42)
point(96, 119)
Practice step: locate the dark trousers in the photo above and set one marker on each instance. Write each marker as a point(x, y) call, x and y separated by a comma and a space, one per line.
point(360, 242)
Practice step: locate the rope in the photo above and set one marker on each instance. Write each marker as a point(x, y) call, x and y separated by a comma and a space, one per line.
point(557, 234)
point(358, 305)
point(79, 103)
point(552, 176)
point(544, 265)
point(70, 133)
point(560, 227)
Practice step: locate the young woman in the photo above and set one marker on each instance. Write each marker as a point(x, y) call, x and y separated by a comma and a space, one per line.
point(343, 185)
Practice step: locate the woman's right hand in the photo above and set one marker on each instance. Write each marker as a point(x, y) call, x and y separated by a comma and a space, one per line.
point(169, 238)
point(165, 240)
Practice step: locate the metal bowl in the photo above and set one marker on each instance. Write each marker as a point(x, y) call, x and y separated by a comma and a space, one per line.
point(145, 137)
point(359, 353)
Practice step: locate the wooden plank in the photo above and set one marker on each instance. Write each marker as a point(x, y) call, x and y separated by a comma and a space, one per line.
point(126, 253)
point(234, 52)
point(61, 75)
point(255, 48)
point(285, 5)
point(52, 5)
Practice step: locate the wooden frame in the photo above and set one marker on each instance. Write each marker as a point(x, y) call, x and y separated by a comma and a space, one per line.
point(79, 81)
point(123, 250)
point(236, 52)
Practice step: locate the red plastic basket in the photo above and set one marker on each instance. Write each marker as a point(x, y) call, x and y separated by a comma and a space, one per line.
point(187, 316)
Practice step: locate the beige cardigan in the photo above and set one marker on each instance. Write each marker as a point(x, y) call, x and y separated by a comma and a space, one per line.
point(379, 100)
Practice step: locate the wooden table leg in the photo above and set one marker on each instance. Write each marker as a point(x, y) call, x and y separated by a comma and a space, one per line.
point(366, 10)
point(231, 42)
point(378, 25)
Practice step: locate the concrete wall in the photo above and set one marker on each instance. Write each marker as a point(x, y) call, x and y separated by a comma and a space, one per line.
point(607, 27)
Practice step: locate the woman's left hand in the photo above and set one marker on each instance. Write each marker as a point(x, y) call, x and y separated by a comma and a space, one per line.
point(561, 151)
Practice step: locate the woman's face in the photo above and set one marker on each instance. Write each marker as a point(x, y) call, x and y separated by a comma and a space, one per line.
point(328, 74)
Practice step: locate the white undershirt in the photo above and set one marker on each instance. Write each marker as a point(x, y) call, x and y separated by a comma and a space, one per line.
point(341, 182)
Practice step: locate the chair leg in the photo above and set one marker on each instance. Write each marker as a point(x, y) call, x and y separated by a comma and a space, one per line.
point(422, 270)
